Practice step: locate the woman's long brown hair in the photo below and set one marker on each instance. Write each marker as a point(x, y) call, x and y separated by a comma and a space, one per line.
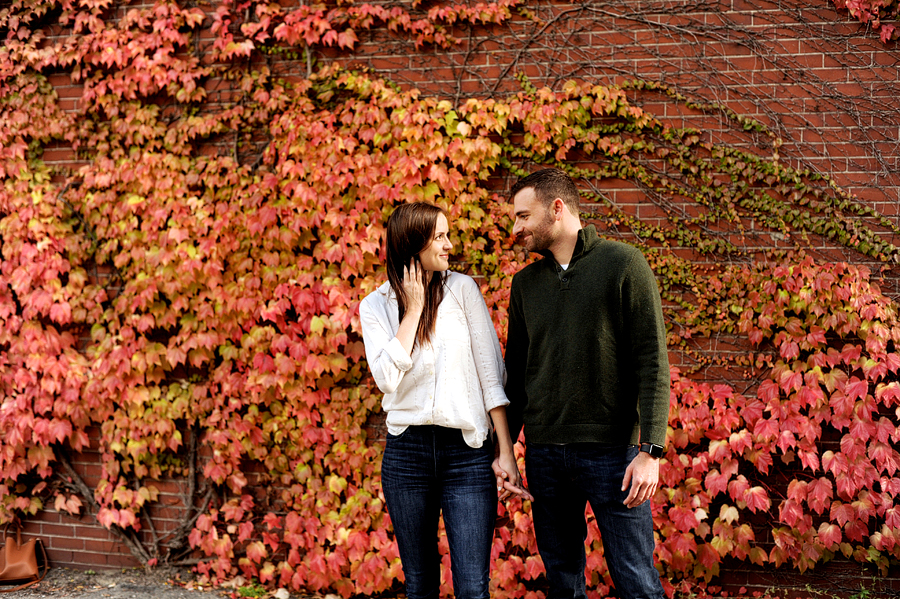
point(410, 229)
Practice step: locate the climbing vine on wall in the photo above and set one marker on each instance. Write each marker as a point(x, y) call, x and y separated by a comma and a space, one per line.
point(874, 14)
point(187, 285)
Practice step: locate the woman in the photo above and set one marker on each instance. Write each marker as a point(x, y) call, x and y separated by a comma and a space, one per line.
point(434, 354)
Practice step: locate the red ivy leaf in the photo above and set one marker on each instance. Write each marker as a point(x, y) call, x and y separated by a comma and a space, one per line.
point(790, 512)
point(738, 488)
point(683, 518)
point(768, 390)
point(716, 483)
point(830, 535)
point(256, 552)
point(842, 512)
point(758, 500)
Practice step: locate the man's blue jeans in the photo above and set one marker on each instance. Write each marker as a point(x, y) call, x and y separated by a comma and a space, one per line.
point(562, 478)
point(429, 469)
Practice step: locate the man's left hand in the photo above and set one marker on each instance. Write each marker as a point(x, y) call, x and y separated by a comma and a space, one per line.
point(642, 475)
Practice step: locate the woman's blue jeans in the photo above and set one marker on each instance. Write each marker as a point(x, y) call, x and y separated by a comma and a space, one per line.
point(427, 470)
point(562, 478)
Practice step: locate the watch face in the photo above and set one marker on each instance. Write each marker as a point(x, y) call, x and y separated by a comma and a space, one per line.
point(655, 451)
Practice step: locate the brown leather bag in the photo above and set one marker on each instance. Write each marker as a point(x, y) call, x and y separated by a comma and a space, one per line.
point(19, 562)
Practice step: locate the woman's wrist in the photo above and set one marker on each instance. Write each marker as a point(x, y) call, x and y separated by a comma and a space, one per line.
point(414, 311)
point(506, 451)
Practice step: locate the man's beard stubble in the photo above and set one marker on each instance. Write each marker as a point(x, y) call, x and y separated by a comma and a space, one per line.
point(542, 237)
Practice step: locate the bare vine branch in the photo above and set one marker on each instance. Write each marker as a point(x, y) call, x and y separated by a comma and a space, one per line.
point(128, 538)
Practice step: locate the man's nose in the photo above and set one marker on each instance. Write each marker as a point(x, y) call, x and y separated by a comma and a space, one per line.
point(517, 228)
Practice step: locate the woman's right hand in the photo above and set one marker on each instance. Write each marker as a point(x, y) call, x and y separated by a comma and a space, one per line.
point(414, 287)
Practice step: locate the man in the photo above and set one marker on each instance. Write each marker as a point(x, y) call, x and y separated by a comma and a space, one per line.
point(588, 376)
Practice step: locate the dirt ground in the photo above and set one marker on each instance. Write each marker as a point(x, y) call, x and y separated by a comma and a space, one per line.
point(160, 583)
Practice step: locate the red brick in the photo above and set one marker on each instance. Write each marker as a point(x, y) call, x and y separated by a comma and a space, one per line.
point(169, 486)
point(68, 543)
point(93, 532)
point(167, 513)
point(831, 75)
point(59, 557)
point(68, 105)
point(875, 198)
point(120, 560)
point(880, 57)
point(85, 560)
point(48, 516)
point(58, 530)
point(58, 155)
point(389, 62)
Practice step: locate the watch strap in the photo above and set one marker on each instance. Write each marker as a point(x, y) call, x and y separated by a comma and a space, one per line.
point(655, 451)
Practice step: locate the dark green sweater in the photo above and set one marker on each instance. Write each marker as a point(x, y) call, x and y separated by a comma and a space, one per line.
point(586, 353)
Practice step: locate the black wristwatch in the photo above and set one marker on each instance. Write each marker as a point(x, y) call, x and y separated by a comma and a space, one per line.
point(655, 451)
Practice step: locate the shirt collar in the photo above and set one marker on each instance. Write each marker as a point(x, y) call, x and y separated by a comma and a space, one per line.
point(587, 240)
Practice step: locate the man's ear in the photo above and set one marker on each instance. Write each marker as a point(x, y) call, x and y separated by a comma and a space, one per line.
point(558, 206)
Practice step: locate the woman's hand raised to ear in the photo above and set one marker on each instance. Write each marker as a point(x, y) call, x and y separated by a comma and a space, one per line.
point(414, 288)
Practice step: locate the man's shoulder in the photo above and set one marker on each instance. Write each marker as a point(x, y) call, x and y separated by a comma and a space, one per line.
point(610, 249)
point(531, 270)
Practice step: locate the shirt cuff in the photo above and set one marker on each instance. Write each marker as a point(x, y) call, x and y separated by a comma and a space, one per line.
point(398, 355)
point(495, 398)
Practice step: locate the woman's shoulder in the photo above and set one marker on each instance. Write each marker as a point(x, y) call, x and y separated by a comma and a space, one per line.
point(464, 288)
point(457, 280)
point(379, 297)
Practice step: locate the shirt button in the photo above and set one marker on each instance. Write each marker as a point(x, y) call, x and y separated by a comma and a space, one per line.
point(565, 280)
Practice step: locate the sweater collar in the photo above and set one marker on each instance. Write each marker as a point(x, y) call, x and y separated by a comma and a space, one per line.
point(587, 240)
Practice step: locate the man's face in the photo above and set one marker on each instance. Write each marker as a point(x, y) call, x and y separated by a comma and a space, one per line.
point(534, 224)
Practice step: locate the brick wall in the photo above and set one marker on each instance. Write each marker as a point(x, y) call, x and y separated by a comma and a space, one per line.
point(821, 82)
point(78, 541)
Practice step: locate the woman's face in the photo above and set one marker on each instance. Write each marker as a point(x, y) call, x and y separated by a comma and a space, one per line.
point(436, 257)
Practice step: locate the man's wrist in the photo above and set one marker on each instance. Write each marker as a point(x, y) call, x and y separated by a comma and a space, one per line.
point(654, 450)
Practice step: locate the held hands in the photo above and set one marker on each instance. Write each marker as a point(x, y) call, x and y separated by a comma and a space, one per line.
point(414, 286)
point(642, 475)
point(509, 481)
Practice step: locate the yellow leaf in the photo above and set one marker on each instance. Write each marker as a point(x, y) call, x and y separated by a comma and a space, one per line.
point(317, 325)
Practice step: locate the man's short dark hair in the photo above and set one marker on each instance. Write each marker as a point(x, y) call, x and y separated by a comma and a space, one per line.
point(549, 184)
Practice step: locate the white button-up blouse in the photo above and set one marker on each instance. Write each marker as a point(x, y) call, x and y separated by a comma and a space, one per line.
point(454, 380)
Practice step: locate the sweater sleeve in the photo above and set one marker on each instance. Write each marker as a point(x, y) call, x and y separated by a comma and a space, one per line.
point(387, 358)
point(485, 346)
point(516, 356)
point(643, 311)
